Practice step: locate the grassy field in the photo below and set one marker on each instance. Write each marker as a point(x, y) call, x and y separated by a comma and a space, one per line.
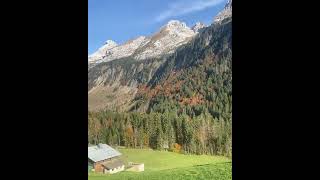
point(171, 166)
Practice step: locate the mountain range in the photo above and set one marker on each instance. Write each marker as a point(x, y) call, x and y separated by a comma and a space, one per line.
point(165, 41)
point(170, 90)
point(128, 77)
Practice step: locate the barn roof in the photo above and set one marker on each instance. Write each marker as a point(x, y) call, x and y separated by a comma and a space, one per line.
point(101, 152)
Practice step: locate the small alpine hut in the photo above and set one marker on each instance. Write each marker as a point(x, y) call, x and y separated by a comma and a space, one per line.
point(105, 159)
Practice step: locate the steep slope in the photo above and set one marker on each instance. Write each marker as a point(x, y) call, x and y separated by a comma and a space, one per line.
point(197, 74)
point(101, 53)
point(134, 75)
point(171, 36)
point(113, 84)
point(181, 100)
point(225, 13)
point(198, 26)
point(114, 51)
point(187, 103)
point(116, 71)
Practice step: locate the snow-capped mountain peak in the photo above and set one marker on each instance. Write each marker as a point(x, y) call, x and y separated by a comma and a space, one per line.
point(111, 50)
point(172, 24)
point(175, 27)
point(170, 36)
point(101, 52)
point(110, 43)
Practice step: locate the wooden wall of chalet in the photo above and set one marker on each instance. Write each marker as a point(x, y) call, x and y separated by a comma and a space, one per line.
point(98, 165)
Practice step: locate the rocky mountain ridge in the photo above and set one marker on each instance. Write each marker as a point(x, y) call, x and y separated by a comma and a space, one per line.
point(118, 73)
point(165, 41)
point(225, 13)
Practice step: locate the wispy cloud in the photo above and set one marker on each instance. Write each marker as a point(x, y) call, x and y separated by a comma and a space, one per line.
point(180, 7)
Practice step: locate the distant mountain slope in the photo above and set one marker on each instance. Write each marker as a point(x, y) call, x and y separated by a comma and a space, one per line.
point(115, 71)
point(225, 13)
point(197, 75)
point(129, 76)
point(180, 100)
point(169, 37)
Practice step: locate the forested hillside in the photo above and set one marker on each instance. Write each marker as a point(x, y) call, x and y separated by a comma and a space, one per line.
point(184, 105)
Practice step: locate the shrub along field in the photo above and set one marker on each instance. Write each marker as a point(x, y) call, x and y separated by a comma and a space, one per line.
point(168, 165)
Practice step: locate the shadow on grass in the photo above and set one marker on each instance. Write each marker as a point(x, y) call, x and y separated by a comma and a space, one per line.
point(200, 165)
point(211, 164)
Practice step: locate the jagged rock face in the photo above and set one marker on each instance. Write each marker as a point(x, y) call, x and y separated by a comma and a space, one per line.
point(170, 36)
point(102, 51)
point(198, 26)
point(225, 13)
point(115, 72)
point(114, 84)
point(111, 52)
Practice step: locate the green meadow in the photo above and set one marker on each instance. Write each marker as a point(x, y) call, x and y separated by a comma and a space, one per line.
point(164, 165)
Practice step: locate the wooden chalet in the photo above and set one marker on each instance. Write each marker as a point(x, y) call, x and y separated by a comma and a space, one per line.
point(105, 159)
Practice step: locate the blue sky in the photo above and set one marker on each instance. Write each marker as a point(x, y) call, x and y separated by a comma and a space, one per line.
point(121, 20)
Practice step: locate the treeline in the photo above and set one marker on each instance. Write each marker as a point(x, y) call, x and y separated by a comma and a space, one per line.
point(201, 135)
point(197, 127)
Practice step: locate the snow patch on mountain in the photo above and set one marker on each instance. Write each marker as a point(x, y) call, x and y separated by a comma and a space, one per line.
point(109, 44)
point(170, 36)
point(165, 41)
point(110, 52)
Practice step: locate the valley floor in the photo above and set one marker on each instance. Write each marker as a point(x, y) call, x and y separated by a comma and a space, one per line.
point(168, 165)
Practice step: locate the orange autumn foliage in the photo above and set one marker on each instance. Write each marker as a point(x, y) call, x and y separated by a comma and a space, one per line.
point(168, 88)
point(176, 148)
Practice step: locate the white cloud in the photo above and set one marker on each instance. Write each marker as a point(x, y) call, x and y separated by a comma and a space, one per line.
point(180, 7)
